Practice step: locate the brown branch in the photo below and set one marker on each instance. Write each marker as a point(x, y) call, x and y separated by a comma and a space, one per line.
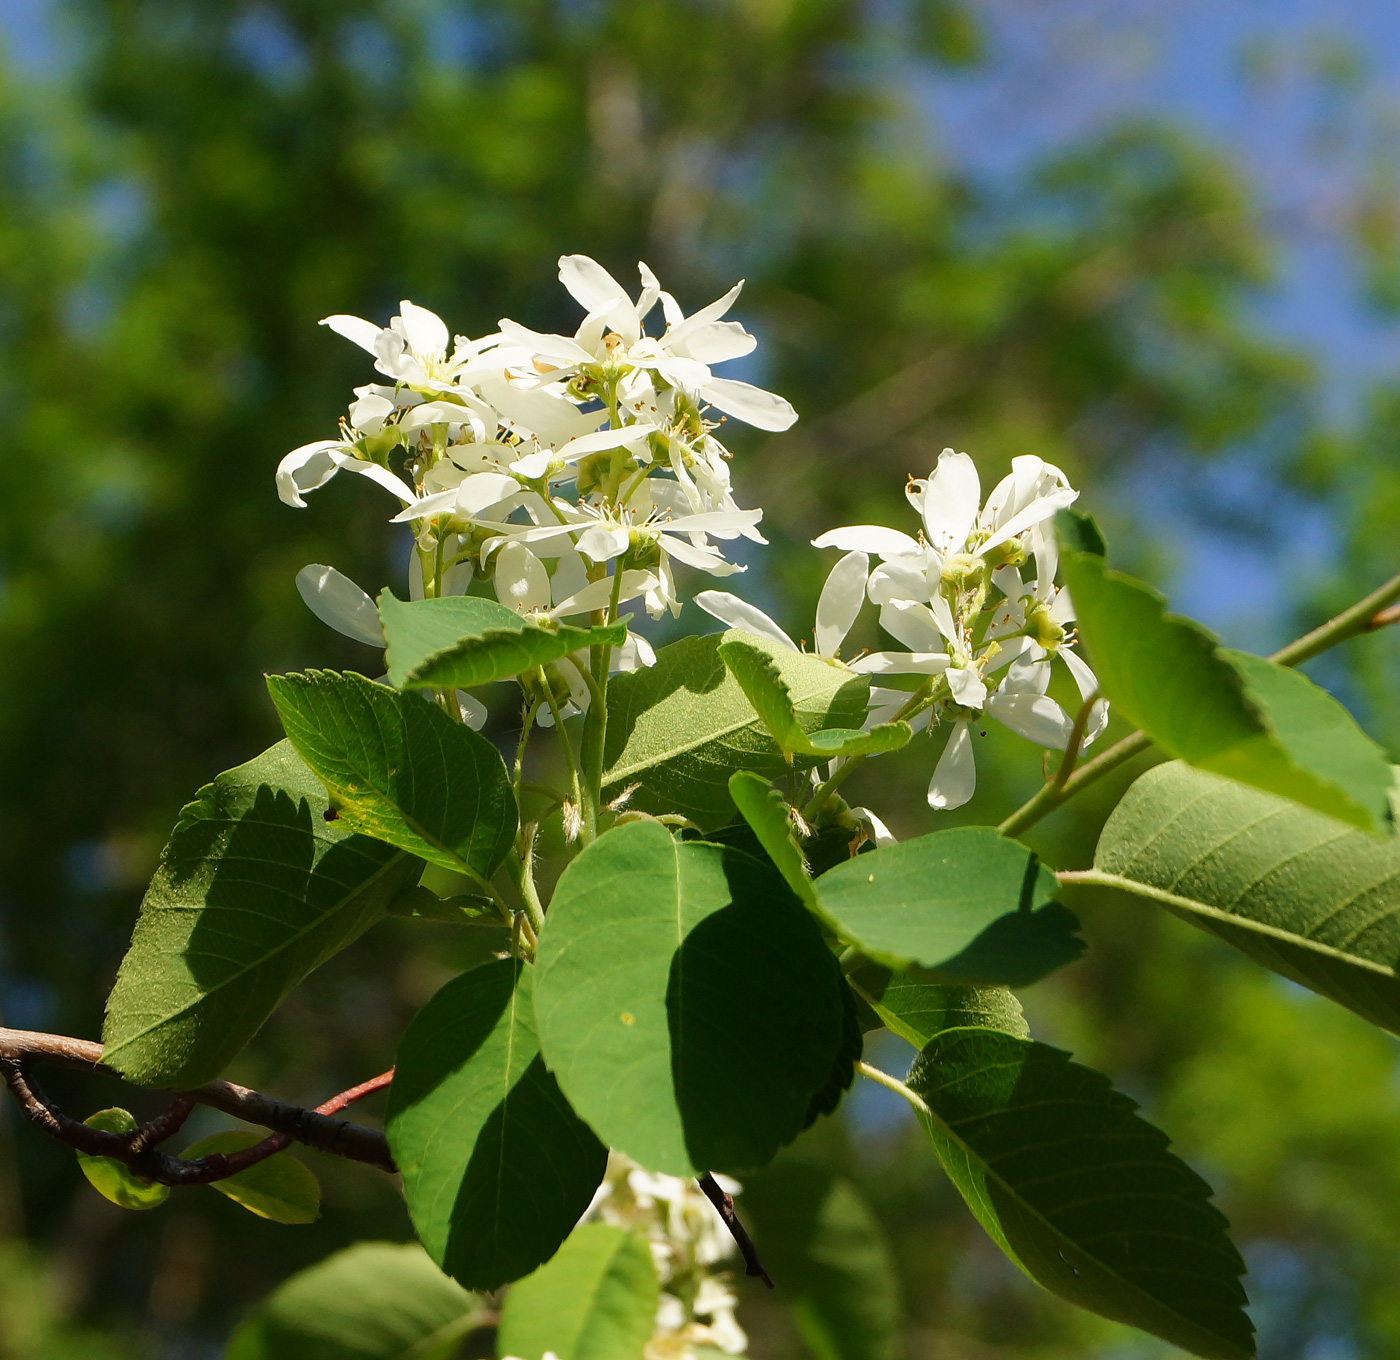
point(20, 1050)
point(724, 1207)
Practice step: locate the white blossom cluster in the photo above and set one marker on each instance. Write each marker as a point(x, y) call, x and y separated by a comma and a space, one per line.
point(957, 598)
point(688, 1242)
point(545, 462)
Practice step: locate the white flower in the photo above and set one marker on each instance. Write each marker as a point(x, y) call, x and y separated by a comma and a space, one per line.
point(612, 333)
point(336, 600)
point(412, 348)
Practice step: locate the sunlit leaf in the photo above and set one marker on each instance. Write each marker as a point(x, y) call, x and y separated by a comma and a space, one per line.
point(115, 1180)
point(281, 1187)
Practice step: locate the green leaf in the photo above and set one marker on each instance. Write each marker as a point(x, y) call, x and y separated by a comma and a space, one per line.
point(756, 669)
point(255, 890)
point(399, 769)
point(596, 1300)
point(680, 728)
point(769, 816)
point(843, 1070)
point(916, 1011)
point(372, 1301)
point(115, 1180)
point(463, 641)
point(1302, 894)
point(1079, 532)
point(824, 1247)
point(1079, 1192)
point(496, 1167)
point(280, 1188)
point(1226, 712)
point(964, 905)
point(685, 1001)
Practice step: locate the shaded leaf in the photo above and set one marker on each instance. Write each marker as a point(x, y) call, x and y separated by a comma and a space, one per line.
point(399, 769)
point(680, 728)
point(1301, 893)
point(685, 1000)
point(1079, 1192)
point(828, 1254)
point(843, 1070)
point(916, 1011)
point(115, 1180)
point(281, 1188)
point(255, 890)
point(757, 671)
point(965, 905)
point(462, 641)
point(769, 818)
point(1227, 712)
point(373, 1301)
point(496, 1167)
point(596, 1300)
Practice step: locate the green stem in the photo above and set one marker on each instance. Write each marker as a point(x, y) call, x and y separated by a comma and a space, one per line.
point(1365, 615)
point(530, 711)
point(521, 871)
point(1076, 740)
point(894, 1084)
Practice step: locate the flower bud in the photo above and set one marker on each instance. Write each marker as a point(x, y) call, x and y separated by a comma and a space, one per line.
point(644, 552)
point(1008, 554)
point(558, 686)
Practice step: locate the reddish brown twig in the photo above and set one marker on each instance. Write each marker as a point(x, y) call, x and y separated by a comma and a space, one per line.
point(20, 1050)
point(724, 1207)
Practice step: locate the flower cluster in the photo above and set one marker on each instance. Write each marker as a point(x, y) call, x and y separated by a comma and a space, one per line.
point(956, 597)
point(481, 441)
point(687, 1242)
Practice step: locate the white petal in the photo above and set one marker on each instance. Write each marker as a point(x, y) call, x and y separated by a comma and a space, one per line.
point(714, 343)
point(558, 347)
point(1062, 607)
point(754, 406)
point(435, 413)
point(306, 469)
point(570, 575)
point(635, 653)
point(900, 663)
point(1034, 716)
point(840, 602)
point(871, 538)
point(1085, 678)
point(966, 686)
point(589, 284)
point(521, 581)
point(736, 613)
point(336, 600)
point(1008, 581)
point(955, 777)
point(424, 330)
point(898, 578)
point(362, 333)
point(912, 624)
point(381, 475)
point(950, 502)
point(1028, 676)
point(481, 490)
point(706, 559)
point(598, 594)
point(875, 829)
point(369, 412)
point(600, 542)
point(473, 710)
point(602, 440)
point(1033, 514)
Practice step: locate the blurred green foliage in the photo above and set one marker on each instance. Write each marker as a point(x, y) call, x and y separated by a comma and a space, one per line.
point(210, 178)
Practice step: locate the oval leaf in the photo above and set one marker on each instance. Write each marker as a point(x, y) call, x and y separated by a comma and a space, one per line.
point(1300, 893)
point(680, 728)
point(280, 1188)
point(400, 770)
point(685, 1001)
point(1227, 712)
point(373, 1301)
point(115, 1180)
point(966, 904)
point(255, 890)
point(596, 1300)
point(1079, 1192)
point(497, 1169)
point(917, 1011)
point(463, 641)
